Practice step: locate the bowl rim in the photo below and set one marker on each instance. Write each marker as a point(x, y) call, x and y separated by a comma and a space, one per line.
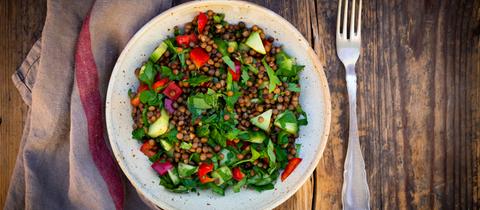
point(312, 56)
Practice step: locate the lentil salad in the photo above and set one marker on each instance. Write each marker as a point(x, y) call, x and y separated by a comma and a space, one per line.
point(218, 106)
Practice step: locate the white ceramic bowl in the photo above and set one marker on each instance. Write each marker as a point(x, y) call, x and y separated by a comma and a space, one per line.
point(315, 99)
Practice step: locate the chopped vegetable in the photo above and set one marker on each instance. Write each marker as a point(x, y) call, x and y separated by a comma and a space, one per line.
point(199, 57)
point(237, 174)
point(148, 149)
point(158, 85)
point(201, 21)
point(255, 42)
point(169, 106)
point(160, 126)
point(203, 170)
point(147, 73)
point(185, 170)
point(158, 52)
point(287, 122)
point(292, 164)
point(263, 120)
point(235, 74)
point(162, 167)
point(185, 39)
point(273, 79)
point(172, 91)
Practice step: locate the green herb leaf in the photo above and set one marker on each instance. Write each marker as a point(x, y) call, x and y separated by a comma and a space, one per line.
point(165, 71)
point(147, 74)
point(196, 81)
point(216, 189)
point(169, 42)
point(273, 79)
point(252, 68)
point(263, 187)
point(221, 46)
point(203, 131)
point(181, 57)
point(171, 135)
point(245, 76)
point(229, 62)
point(281, 156)
point(156, 157)
point(297, 148)
point(282, 138)
point(218, 137)
point(302, 119)
point(240, 184)
point(144, 118)
point(293, 87)
point(218, 18)
point(138, 133)
point(255, 155)
point(232, 134)
point(271, 154)
point(185, 145)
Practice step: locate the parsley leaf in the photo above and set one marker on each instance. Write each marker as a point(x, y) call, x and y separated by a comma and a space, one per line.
point(273, 79)
point(200, 102)
point(271, 154)
point(252, 68)
point(185, 145)
point(231, 100)
point(220, 139)
point(245, 76)
point(156, 157)
point(217, 18)
point(229, 62)
point(282, 138)
point(151, 98)
point(138, 133)
point(171, 135)
point(221, 46)
point(293, 87)
point(255, 156)
point(147, 73)
point(167, 72)
point(196, 81)
point(169, 42)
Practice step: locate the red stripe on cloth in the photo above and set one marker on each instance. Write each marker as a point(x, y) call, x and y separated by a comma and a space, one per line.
point(87, 83)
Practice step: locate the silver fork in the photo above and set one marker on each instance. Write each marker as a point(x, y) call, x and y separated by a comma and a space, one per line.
point(355, 193)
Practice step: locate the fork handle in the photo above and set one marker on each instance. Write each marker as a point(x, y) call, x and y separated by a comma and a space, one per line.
point(355, 192)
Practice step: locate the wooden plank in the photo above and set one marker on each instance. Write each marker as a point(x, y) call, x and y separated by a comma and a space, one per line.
point(21, 23)
point(418, 104)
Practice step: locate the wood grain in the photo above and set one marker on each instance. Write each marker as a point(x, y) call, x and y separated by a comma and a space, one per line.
point(418, 99)
point(21, 23)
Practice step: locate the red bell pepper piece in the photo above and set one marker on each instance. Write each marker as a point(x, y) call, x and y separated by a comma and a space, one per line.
point(142, 87)
point(199, 56)
point(237, 174)
point(203, 170)
point(172, 91)
point(292, 164)
point(159, 84)
point(236, 74)
point(186, 39)
point(135, 101)
point(147, 149)
point(202, 20)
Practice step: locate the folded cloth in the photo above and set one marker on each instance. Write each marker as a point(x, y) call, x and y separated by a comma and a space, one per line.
point(64, 160)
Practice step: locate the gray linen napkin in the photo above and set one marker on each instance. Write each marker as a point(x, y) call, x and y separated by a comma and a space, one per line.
point(64, 160)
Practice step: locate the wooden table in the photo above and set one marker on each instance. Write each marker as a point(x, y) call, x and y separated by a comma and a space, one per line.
point(418, 99)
